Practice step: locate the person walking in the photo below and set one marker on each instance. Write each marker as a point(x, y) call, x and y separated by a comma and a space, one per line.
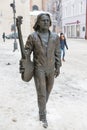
point(45, 46)
point(3, 36)
point(63, 44)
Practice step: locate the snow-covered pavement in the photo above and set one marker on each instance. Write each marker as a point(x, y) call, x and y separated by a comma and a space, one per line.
point(67, 105)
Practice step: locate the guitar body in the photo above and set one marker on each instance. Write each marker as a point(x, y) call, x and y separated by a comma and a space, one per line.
point(26, 65)
point(28, 69)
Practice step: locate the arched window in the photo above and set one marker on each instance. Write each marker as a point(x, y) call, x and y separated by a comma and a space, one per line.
point(35, 7)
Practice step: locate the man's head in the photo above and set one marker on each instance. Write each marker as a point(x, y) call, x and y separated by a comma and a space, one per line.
point(42, 18)
point(62, 36)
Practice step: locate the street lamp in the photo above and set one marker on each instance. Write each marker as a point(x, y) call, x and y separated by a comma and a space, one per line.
point(14, 18)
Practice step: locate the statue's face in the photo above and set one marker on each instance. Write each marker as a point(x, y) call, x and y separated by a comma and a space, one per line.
point(44, 22)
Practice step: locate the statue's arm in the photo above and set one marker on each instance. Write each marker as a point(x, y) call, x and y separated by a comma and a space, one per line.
point(57, 53)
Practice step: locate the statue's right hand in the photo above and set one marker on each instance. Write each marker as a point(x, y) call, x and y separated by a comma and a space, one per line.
point(22, 65)
point(22, 69)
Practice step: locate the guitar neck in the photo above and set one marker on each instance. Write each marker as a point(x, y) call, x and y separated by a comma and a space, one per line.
point(21, 42)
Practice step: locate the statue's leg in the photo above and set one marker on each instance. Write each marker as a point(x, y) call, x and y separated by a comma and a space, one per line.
point(49, 84)
point(40, 84)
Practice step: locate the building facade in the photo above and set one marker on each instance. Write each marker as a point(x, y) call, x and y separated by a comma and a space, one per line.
point(74, 18)
point(26, 8)
point(38, 5)
point(23, 8)
point(6, 16)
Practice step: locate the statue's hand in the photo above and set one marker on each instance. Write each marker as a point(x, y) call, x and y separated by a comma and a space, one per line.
point(22, 65)
point(57, 72)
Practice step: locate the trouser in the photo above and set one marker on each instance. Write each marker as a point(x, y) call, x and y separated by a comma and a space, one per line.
point(44, 84)
point(62, 53)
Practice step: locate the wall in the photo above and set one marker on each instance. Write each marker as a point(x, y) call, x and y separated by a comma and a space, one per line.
point(74, 18)
point(6, 20)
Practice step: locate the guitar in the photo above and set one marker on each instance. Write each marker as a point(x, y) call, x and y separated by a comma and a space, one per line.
point(25, 61)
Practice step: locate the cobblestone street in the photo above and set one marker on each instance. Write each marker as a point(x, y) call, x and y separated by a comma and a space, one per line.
point(67, 106)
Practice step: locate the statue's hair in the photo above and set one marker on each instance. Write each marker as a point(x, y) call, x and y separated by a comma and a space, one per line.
point(36, 27)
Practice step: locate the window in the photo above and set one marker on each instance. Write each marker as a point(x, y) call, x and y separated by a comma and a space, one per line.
point(80, 7)
point(72, 10)
point(83, 29)
point(65, 11)
point(35, 7)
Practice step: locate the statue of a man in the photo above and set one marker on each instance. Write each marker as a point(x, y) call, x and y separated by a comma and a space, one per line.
point(45, 46)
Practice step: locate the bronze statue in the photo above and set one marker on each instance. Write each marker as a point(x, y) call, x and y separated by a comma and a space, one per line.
point(45, 46)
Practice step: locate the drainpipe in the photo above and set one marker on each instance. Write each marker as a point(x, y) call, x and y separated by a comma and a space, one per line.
point(42, 5)
point(86, 22)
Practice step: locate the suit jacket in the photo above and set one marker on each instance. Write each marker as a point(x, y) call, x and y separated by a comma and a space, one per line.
point(44, 57)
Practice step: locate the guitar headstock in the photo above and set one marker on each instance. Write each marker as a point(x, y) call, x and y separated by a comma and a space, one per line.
point(19, 21)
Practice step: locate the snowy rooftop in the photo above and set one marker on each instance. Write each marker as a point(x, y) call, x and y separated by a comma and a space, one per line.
point(35, 12)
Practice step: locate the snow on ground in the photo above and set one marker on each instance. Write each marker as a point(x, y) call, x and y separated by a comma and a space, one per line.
point(67, 105)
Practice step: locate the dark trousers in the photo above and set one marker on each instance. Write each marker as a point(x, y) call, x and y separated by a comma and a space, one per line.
point(44, 81)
